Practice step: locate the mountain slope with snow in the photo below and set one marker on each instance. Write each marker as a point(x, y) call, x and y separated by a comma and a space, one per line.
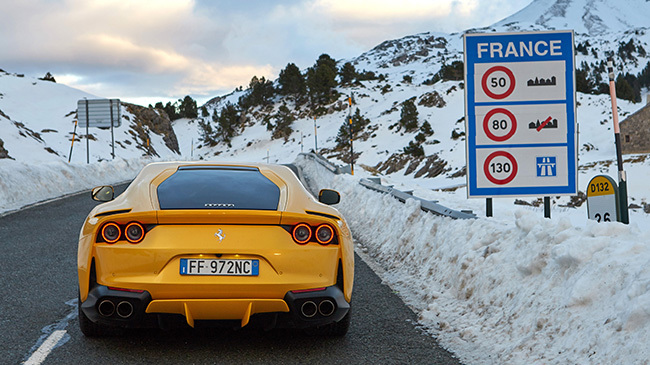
point(37, 124)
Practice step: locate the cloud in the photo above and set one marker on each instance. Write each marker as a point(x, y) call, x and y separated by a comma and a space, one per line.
point(170, 48)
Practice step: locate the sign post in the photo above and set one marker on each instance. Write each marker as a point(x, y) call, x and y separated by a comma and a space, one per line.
point(520, 114)
point(622, 176)
point(100, 113)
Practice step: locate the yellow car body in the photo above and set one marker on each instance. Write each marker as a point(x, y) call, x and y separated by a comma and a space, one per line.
point(143, 256)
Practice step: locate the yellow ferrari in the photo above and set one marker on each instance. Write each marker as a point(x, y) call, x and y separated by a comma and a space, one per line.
point(207, 243)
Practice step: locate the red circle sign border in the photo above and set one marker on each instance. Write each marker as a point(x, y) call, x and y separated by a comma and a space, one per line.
point(486, 122)
point(486, 167)
point(507, 71)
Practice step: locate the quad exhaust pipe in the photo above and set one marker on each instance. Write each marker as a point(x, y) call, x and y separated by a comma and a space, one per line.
point(309, 309)
point(124, 309)
point(107, 308)
point(325, 308)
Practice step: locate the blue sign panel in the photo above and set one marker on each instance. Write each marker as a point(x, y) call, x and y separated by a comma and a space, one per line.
point(520, 114)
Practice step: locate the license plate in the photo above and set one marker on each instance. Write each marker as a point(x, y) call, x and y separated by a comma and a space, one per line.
point(220, 267)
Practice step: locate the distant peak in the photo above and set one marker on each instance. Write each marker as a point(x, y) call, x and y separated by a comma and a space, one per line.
point(592, 17)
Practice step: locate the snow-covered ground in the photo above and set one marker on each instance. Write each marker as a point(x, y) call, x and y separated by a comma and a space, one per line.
point(23, 184)
point(516, 288)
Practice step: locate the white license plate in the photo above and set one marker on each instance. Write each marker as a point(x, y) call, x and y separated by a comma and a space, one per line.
point(220, 267)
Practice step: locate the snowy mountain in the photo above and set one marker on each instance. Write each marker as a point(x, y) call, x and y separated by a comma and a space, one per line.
point(413, 68)
point(586, 17)
point(37, 121)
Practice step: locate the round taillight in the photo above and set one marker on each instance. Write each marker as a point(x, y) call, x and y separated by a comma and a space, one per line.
point(324, 234)
point(111, 232)
point(301, 233)
point(134, 232)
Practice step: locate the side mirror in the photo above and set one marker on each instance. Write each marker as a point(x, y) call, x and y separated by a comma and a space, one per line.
point(103, 193)
point(329, 197)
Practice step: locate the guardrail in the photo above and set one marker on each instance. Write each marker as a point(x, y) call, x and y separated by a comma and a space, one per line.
point(327, 164)
point(430, 206)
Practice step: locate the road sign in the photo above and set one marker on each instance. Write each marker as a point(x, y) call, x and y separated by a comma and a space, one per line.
point(520, 114)
point(602, 199)
point(99, 112)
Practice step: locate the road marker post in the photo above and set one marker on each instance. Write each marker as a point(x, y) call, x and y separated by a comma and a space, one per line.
point(622, 176)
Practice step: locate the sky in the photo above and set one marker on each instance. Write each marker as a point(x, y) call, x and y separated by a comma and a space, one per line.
point(160, 50)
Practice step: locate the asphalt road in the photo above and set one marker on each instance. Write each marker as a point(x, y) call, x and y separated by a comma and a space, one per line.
point(39, 290)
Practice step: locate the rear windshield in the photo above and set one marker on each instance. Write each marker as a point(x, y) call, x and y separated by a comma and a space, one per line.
point(194, 187)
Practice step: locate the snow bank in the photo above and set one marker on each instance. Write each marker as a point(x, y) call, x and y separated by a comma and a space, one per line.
point(522, 290)
point(23, 184)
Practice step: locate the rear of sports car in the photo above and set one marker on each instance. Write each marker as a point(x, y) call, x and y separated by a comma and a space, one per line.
point(215, 244)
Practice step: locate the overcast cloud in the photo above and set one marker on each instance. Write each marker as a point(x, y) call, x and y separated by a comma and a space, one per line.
point(148, 50)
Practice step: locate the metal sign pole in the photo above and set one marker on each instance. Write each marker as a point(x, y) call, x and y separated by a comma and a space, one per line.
point(488, 207)
point(87, 139)
point(351, 138)
point(74, 132)
point(622, 177)
point(315, 136)
point(547, 207)
point(112, 134)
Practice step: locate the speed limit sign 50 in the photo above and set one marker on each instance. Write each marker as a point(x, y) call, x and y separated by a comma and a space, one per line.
point(498, 82)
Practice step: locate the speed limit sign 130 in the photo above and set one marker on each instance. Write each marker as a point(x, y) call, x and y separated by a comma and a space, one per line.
point(602, 199)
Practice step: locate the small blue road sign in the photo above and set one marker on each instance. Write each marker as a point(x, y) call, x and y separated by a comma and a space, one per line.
point(546, 166)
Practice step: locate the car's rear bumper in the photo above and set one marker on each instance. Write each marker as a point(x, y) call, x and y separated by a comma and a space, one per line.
point(297, 309)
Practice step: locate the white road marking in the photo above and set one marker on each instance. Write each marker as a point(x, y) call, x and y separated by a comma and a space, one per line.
point(39, 356)
point(54, 335)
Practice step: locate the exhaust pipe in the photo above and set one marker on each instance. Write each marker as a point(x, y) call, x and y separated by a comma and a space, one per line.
point(124, 309)
point(326, 308)
point(309, 309)
point(106, 308)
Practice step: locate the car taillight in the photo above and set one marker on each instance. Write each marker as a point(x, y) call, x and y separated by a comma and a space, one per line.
point(301, 233)
point(134, 232)
point(324, 234)
point(111, 232)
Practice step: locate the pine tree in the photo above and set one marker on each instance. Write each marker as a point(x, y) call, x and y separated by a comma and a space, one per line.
point(347, 73)
point(426, 129)
point(207, 133)
point(291, 81)
point(409, 116)
point(228, 121)
point(259, 92)
point(414, 149)
point(359, 123)
point(321, 79)
point(623, 89)
point(187, 108)
point(283, 121)
point(171, 110)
